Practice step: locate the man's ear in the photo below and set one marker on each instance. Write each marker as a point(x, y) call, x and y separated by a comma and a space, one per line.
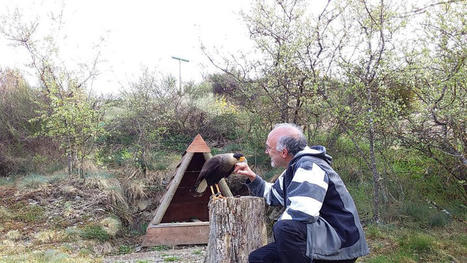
point(284, 153)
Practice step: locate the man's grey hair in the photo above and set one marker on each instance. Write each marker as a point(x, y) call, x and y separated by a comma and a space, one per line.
point(293, 143)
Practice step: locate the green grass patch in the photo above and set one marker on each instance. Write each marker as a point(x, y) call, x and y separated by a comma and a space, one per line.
point(124, 249)
point(28, 213)
point(7, 181)
point(94, 232)
point(171, 259)
point(33, 181)
point(417, 242)
point(160, 248)
point(198, 252)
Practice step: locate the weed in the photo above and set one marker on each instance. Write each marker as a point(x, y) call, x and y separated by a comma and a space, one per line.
point(160, 248)
point(124, 249)
point(197, 252)
point(31, 213)
point(6, 181)
point(94, 232)
point(438, 220)
point(171, 259)
point(33, 181)
point(417, 242)
point(373, 232)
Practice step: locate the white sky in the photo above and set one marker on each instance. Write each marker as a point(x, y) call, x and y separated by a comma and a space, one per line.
point(138, 34)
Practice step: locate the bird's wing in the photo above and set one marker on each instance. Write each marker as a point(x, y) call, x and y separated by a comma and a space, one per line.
point(209, 168)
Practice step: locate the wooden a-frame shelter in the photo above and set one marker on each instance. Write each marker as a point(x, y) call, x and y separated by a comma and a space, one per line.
point(181, 218)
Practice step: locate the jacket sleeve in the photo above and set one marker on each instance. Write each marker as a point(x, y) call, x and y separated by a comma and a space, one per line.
point(306, 192)
point(272, 193)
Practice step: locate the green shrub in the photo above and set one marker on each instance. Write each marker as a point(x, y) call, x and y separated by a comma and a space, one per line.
point(94, 232)
point(439, 219)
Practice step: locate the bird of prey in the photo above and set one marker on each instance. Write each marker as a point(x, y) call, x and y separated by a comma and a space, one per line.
point(218, 167)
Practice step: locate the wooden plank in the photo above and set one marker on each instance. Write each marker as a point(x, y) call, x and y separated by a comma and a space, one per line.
point(172, 189)
point(172, 234)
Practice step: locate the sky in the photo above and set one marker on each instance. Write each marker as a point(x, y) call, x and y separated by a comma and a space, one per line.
point(135, 34)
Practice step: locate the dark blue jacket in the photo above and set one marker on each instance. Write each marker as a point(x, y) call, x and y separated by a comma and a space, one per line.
point(312, 192)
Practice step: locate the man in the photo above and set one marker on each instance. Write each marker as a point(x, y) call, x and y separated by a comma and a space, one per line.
point(320, 221)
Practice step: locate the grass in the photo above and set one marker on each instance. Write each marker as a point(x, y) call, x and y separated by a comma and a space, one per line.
point(34, 180)
point(28, 213)
point(124, 249)
point(197, 252)
point(160, 248)
point(397, 243)
point(7, 181)
point(171, 259)
point(95, 232)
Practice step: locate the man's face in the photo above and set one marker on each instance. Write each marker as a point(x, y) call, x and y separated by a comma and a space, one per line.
point(277, 159)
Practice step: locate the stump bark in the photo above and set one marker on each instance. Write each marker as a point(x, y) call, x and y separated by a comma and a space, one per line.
point(236, 227)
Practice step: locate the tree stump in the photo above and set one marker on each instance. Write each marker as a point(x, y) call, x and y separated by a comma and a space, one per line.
point(236, 227)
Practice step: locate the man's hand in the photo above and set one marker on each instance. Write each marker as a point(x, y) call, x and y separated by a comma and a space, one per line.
point(244, 169)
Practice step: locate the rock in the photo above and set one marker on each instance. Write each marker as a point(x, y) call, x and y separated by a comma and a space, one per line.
point(111, 225)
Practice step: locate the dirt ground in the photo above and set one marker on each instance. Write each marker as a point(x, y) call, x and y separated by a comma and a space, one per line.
point(192, 254)
point(46, 224)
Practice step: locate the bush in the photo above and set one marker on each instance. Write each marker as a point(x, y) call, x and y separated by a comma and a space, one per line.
point(439, 219)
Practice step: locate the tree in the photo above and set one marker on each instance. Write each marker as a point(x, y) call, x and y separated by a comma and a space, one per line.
point(365, 103)
point(294, 50)
point(16, 108)
point(148, 107)
point(437, 126)
point(66, 113)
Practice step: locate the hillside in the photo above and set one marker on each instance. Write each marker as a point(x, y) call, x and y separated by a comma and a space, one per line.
point(66, 220)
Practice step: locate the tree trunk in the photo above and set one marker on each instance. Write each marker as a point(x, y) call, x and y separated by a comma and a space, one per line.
point(236, 227)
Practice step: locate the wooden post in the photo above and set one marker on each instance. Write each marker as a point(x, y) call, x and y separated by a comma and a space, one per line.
point(171, 191)
point(236, 228)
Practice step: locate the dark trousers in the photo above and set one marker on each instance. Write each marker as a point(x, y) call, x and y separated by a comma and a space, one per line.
point(289, 246)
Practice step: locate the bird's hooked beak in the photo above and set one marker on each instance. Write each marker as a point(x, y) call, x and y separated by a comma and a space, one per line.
point(242, 159)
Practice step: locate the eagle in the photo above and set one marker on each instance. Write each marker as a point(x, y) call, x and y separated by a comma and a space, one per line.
point(218, 167)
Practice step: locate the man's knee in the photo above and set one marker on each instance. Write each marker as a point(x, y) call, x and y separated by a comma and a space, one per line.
point(255, 257)
point(287, 228)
